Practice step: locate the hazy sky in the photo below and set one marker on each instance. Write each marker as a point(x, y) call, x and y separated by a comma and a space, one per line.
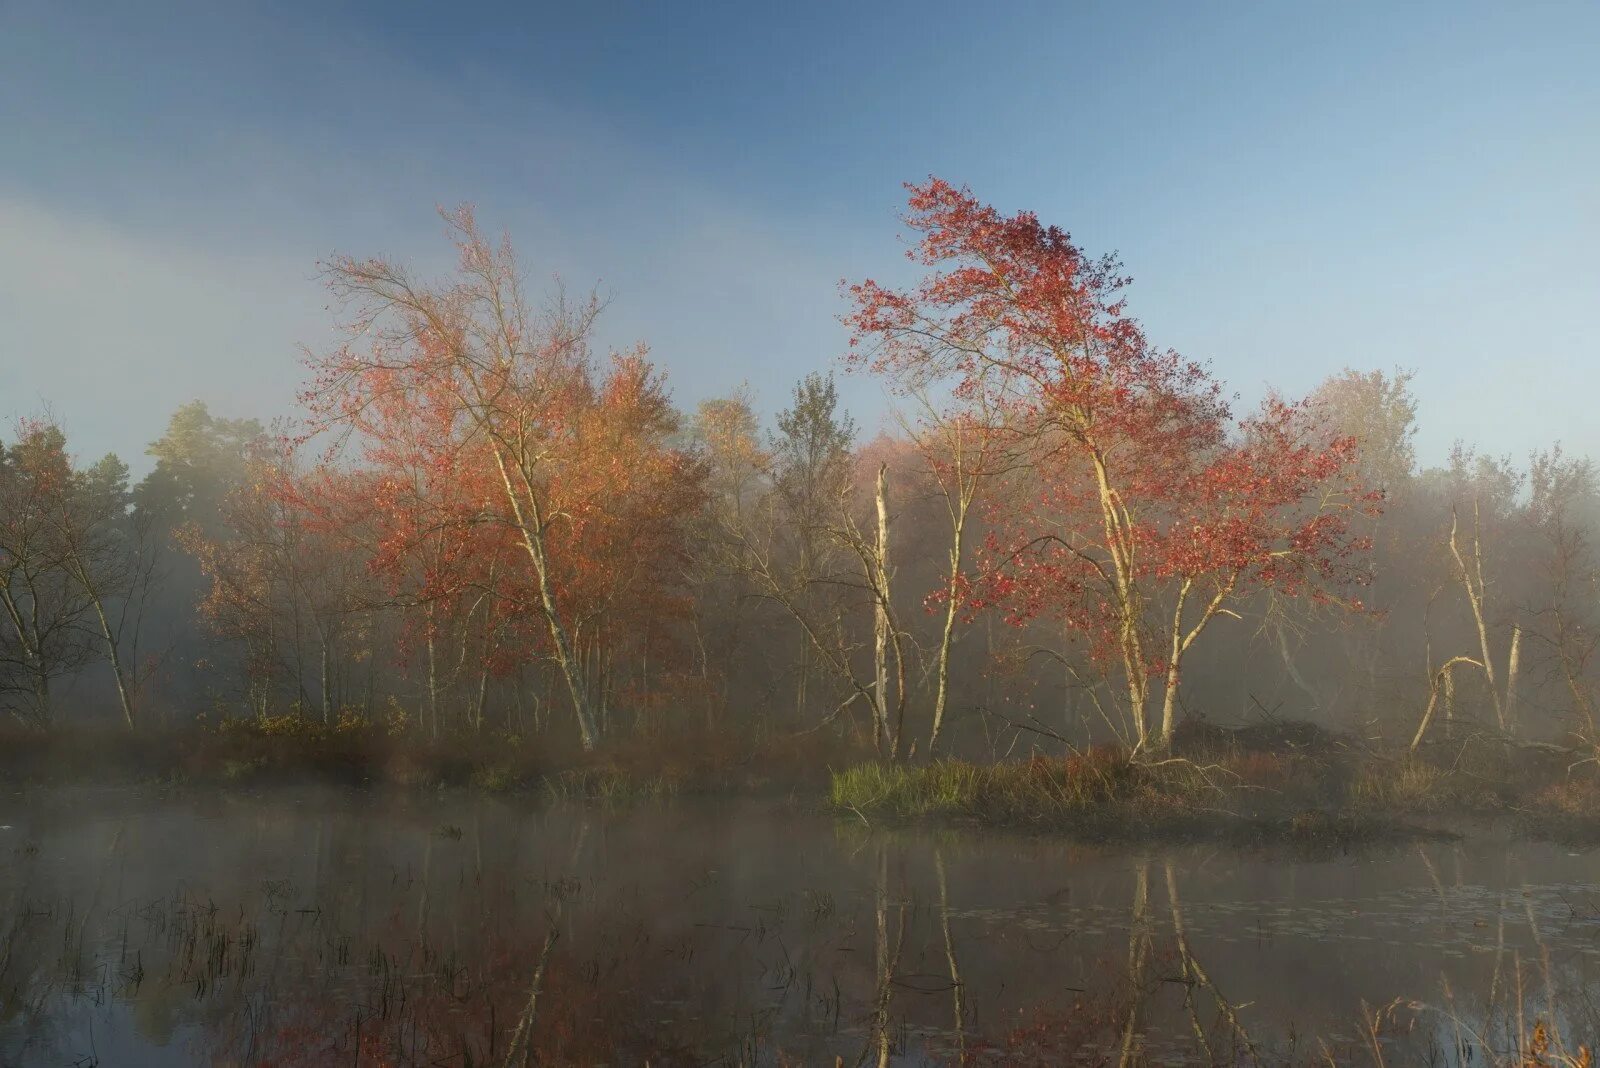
point(1295, 187)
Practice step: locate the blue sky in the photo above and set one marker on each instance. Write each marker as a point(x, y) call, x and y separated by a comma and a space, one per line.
point(1294, 187)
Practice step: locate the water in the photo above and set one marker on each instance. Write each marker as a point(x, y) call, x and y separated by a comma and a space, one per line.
point(313, 927)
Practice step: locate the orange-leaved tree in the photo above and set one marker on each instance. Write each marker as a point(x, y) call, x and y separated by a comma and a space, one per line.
point(572, 460)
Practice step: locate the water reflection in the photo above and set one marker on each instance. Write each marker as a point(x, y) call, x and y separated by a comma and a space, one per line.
point(324, 928)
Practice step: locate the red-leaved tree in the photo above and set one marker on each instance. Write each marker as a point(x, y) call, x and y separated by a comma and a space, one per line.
point(1144, 508)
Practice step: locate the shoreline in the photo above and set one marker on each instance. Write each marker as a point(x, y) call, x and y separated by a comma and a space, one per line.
point(1320, 798)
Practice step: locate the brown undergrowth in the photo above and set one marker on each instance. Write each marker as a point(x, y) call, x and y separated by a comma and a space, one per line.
point(357, 752)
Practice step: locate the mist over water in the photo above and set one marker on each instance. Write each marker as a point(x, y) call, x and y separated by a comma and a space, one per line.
point(241, 928)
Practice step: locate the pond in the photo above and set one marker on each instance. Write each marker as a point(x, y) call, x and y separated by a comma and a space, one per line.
point(311, 927)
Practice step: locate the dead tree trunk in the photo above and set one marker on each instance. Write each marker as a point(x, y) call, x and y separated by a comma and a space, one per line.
point(882, 735)
point(1443, 682)
point(1504, 701)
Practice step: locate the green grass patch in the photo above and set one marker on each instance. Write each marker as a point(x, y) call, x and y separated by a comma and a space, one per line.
point(1040, 790)
point(1247, 798)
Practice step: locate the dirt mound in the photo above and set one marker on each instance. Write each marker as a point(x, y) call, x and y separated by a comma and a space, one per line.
point(1275, 736)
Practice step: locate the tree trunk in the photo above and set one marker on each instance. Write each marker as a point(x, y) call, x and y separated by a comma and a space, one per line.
point(1513, 659)
point(41, 692)
point(1169, 698)
point(1475, 593)
point(433, 686)
point(883, 737)
point(532, 529)
point(1449, 706)
point(1137, 689)
point(947, 632)
point(1292, 669)
point(1442, 682)
point(483, 699)
point(327, 687)
point(124, 694)
point(1169, 706)
point(588, 731)
point(1125, 595)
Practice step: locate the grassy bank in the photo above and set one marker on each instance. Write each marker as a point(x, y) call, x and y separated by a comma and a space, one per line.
point(1293, 782)
point(1324, 791)
point(1105, 795)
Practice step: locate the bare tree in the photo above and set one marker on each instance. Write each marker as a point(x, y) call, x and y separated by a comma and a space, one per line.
point(1469, 570)
point(964, 449)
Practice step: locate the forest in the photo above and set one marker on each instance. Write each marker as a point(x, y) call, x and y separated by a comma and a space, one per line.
point(1071, 542)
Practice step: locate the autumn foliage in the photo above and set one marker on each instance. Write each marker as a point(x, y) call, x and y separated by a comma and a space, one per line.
point(1148, 509)
point(1061, 532)
point(514, 476)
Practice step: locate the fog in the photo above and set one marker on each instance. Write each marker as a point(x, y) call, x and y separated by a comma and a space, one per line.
point(703, 534)
point(734, 568)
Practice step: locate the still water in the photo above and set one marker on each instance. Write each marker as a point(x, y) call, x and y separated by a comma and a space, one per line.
point(314, 927)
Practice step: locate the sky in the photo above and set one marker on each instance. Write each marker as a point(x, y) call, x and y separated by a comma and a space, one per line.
point(1295, 188)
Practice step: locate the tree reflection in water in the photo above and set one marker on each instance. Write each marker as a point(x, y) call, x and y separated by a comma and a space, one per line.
point(320, 932)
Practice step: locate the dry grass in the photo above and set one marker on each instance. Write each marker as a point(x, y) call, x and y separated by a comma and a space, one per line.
point(1408, 784)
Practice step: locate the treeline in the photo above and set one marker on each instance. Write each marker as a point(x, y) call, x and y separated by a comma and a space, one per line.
point(480, 524)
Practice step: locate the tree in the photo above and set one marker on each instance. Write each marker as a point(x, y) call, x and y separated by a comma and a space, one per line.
point(1563, 506)
point(78, 566)
point(417, 513)
point(562, 457)
point(258, 569)
point(198, 461)
point(810, 457)
point(963, 450)
point(1380, 413)
point(959, 443)
point(1486, 491)
point(634, 497)
point(870, 546)
point(42, 609)
point(726, 433)
point(109, 552)
point(797, 526)
point(320, 522)
point(1154, 509)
